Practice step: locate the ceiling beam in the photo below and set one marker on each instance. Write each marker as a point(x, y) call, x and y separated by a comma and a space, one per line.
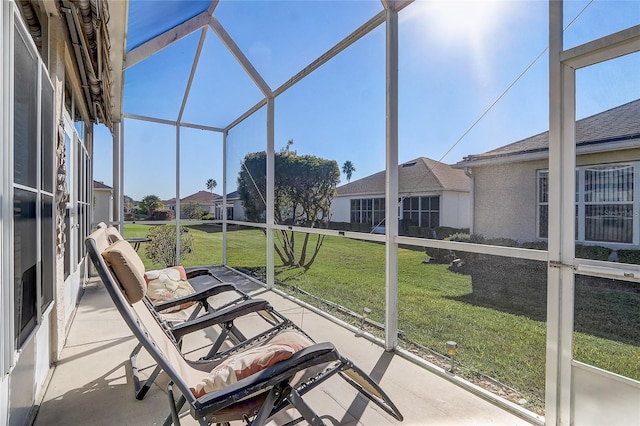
point(231, 45)
point(603, 49)
point(194, 67)
point(158, 43)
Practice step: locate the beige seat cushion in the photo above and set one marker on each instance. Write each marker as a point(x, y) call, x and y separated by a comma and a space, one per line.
point(113, 234)
point(129, 269)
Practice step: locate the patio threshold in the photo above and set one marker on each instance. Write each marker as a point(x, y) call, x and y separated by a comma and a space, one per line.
point(92, 382)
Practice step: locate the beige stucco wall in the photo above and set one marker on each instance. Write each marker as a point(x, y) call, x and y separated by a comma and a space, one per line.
point(505, 200)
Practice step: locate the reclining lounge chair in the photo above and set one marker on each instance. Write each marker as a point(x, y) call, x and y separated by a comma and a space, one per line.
point(252, 381)
point(180, 314)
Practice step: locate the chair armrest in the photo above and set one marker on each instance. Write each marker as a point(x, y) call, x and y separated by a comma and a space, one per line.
point(222, 316)
point(199, 296)
point(199, 272)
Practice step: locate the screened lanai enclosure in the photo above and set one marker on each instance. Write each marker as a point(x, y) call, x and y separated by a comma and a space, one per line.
point(458, 182)
point(495, 197)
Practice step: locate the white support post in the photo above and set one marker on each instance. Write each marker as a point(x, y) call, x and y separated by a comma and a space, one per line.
point(270, 191)
point(391, 204)
point(178, 194)
point(224, 198)
point(116, 173)
point(560, 277)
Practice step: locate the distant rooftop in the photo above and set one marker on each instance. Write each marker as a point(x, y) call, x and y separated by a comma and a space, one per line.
point(419, 175)
point(100, 185)
point(200, 197)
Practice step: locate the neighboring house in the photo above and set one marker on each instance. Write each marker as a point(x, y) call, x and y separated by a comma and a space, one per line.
point(514, 179)
point(235, 209)
point(205, 199)
point(102, 203)
point(431, 194)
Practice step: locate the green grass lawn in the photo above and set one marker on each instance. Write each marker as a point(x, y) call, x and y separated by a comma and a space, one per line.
point(507, 346)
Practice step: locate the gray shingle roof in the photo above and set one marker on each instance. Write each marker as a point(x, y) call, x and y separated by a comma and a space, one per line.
point(100, 185)
point(617, 124)
point(200, 197)
point(419, 175)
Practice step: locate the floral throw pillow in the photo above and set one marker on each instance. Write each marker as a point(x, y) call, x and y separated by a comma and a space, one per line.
point(164, 285)
point(251, 361)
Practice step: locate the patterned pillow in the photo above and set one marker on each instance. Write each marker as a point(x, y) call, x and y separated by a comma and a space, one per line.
point(167, 284)
point(251, 361)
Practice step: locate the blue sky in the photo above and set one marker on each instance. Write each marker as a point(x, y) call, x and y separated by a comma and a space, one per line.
point(456, 58)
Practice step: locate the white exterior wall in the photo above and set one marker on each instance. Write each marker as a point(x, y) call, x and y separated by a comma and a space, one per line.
point(103, 206)
point(341, 209)
point(455, 209)
point(238, 210)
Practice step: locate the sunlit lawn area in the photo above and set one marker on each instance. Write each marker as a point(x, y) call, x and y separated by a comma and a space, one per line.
point(508, 347)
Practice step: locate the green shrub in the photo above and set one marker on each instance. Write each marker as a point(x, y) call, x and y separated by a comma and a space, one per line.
point(413, 231)
point(504, 242)
point(445, 256)
point(629, 256)
point(162, 247)
point(208, 216)
point(443, 232)
point(460, 237)
point(592, 252)
point(535, 245)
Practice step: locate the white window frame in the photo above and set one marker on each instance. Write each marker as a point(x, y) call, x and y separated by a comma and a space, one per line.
point(581, 205)
point(6, 267)
point(9, 353)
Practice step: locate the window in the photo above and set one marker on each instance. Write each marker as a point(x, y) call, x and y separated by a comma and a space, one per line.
point(608, 204)
point(422, 211)
point(367, 210)
point(605, 203)
point(33, 185)
point(430, 212)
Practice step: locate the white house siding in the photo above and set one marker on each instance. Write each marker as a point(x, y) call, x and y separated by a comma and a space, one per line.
point(103, 206)
point(505, 200)
point(238, 210)
point(341, 209)
point(455, 209)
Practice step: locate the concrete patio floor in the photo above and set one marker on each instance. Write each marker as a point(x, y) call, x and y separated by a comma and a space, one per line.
point(92, 382)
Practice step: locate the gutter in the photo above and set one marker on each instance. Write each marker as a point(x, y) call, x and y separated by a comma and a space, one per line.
point(582, 148)
point(472, 181)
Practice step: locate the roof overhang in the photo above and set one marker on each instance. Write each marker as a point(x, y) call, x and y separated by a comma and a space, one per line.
point(544, 154)
point(117, 26)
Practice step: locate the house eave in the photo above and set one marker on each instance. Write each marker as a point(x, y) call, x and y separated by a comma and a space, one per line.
point(543, 154)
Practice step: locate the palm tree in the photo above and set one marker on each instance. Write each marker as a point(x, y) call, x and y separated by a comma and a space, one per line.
point(211, 183)
point(348, 168)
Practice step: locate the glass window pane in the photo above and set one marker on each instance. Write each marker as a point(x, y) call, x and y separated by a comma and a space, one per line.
point(608, 183)
point(435, 203)
point(48, 251)
point(543, 222)
point(25, 240)
point(47, 134)
point(25, 114)
point(609, 222)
